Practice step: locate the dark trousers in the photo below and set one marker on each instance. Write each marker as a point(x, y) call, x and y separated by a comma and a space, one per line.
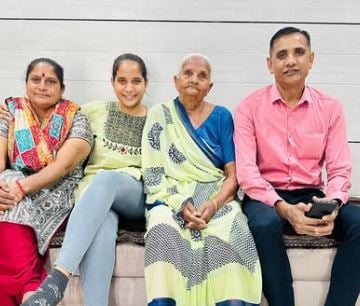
point(267, 228)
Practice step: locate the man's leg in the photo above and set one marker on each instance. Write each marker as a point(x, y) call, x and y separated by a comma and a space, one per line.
point(267, 229)
point(345, 275)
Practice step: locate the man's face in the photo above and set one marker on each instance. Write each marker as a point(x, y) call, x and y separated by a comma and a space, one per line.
point(290, 60)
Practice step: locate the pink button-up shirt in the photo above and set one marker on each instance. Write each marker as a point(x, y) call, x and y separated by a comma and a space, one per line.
point(278, 147)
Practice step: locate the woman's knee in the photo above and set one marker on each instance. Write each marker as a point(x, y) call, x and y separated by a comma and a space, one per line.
point(130, 200)
point(104, 178)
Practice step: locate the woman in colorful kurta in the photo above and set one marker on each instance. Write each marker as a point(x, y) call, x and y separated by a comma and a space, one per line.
point(111, 188)
point(42, 145)
point(198, 248)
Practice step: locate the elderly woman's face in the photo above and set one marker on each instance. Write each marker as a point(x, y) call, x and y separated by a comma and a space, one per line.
point(194, 79)
point(43, 87)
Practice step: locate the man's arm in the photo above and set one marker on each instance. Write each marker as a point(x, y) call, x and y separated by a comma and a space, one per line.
point(247, 170)
point(338, 158)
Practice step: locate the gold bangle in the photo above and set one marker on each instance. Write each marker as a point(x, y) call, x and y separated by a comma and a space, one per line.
point(214, 202)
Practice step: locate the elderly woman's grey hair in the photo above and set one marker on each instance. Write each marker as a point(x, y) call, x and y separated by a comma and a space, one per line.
point(190, 56)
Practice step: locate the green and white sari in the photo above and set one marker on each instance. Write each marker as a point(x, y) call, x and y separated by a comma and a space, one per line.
point(215, 266)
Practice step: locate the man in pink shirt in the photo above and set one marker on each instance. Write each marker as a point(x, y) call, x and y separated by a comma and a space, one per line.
point(284, 134)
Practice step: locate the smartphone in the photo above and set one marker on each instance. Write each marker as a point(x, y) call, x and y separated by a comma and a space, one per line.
point(321, 208)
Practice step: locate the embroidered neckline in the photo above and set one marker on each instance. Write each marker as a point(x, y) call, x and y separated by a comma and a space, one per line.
point(122, 129)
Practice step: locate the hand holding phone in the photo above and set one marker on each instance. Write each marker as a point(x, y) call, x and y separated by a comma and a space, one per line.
point(321, 207)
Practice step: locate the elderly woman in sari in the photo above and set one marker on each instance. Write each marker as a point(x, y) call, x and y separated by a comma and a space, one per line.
point(199, 250)
point(42, 145)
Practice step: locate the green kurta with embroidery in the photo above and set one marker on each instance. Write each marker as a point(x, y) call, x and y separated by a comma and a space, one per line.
point(117, 143)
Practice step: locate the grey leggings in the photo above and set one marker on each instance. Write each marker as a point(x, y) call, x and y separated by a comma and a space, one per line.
point(92, 230)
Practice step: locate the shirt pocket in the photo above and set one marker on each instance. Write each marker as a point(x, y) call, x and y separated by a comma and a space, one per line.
point(311, 146)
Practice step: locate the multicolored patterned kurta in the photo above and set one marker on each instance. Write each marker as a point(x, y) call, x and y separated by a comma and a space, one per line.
point(215, 266)
point(33, 145)
point(117, 144)
point(44, 210)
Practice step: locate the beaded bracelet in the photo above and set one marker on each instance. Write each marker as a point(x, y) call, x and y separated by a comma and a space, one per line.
point(20, 187)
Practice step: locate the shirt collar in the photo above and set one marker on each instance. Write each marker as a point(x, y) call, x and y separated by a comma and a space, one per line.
point(276, 97)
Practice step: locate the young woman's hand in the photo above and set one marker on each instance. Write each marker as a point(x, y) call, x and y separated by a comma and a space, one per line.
point(4, 112)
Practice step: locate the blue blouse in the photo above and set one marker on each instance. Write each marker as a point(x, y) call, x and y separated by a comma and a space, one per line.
point(217, 132)
point(214, 136)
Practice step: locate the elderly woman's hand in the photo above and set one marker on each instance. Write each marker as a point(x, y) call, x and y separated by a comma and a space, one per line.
point(207, 210)
point(7, 200)
point(191, 217)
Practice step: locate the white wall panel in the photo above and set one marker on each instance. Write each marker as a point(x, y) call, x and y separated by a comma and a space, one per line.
point(155, 36)
point(67, 35)
point(233, 78)
point(236, 57)
point(227, 68)
point(353, 127)
point(212, 10)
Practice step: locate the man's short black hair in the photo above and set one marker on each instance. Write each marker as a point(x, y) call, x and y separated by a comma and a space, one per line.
point(286, 31)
